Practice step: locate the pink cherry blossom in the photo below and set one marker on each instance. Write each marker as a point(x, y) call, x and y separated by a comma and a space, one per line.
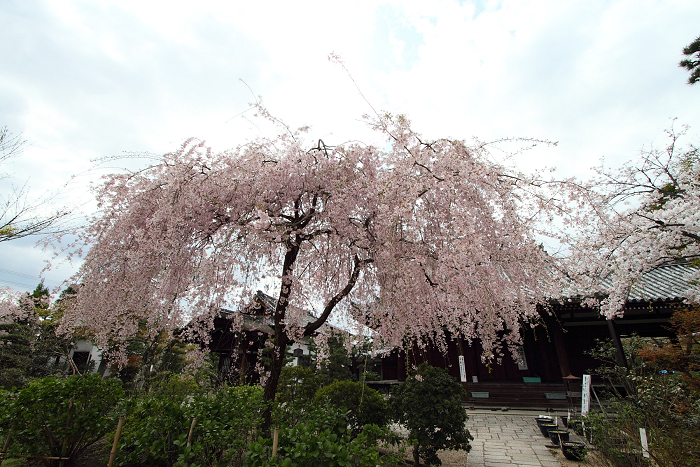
point(626, 222)
point(412, 239)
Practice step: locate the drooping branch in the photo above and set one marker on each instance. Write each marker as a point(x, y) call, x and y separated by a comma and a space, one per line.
point(358, 265)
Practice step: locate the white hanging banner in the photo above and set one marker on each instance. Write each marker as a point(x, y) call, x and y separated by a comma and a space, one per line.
point(585, 394)
point(462, 369)
point(645, 443)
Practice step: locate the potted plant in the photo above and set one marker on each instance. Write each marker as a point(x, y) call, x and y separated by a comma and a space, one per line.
point(543, 419)
point(545, 427)
point(576, 424)
point(573, 450)
point(558, 436)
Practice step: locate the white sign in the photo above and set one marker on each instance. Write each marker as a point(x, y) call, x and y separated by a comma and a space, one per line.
point(645, 443)
point(522, 361)
point(462, 369)
point(585, 394)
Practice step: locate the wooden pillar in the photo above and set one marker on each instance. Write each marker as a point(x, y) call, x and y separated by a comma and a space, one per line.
point(619, 351)
point(562, 356)
point(554, 326)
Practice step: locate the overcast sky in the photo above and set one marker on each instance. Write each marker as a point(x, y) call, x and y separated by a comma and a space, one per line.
point(83, 80)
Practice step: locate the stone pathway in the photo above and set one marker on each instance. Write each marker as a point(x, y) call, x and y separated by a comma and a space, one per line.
point(507, 439)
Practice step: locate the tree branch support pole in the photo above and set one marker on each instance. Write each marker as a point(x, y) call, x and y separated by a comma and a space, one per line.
point(113, 453)
point(64, 448)
point(189, 435)
point(275, 441)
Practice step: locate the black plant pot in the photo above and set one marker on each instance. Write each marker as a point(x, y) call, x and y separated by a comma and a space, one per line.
point(558, 436)
point(573, 450)
point(591, 435)
point(545, 427)
point(577, 426)
point(541, 420)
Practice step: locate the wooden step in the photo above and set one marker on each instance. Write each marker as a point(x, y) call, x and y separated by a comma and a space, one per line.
point(518, 395)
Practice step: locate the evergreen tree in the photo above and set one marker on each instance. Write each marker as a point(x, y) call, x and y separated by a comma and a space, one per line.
point(692, 63)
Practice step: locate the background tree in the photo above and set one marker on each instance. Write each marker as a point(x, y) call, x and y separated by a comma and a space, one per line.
point(658, 390)
point(629, 221)
point(683, 355)
point(19, 337)
point(692, 63)
point(30, 347)
point(20, 217)
point(337, 364)
point(429, 233)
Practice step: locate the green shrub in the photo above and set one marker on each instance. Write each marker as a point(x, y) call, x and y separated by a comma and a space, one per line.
point(365, 405)
point(175, 385)
point(43, 418)
point(157, 429)
point(370, 376)
point(226, 423)
point(429, 405)
point(664, 402)
point(155, 422)
point(297, 385)
point(321, 439)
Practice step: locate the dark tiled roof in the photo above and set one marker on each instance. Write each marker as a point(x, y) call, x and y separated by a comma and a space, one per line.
point(269, 302)
point(253, 319)
point(667, 282)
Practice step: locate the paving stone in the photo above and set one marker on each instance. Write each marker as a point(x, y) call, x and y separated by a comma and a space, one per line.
point(507, 439)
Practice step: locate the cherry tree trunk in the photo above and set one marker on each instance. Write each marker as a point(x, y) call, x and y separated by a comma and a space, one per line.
point(273, 381)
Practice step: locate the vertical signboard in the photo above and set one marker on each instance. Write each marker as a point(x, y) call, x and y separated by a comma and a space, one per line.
point(462, 369)
point(645, 443)
point(585, 394)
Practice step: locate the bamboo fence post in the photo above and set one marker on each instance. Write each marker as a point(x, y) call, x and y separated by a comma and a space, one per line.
point(189, 436)
point(113, 453)
point(64, 448)
point(275, 439)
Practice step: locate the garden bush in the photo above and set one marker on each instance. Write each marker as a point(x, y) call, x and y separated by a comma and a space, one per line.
point(321, 439)
point(365, 405)
point(156, 431)
point(429, 405)
point(226, 423)
point(297, 385)
point(43, 419)
point(154, 424)
point(657, 394)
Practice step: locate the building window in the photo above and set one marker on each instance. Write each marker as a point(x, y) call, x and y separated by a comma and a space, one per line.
point(81, 360)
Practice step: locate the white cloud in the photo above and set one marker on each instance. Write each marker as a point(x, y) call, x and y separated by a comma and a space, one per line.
point(85, 79)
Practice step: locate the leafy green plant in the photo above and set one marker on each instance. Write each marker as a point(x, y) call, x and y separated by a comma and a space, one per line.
point(226, 423)
point(157, 429)
point(648, 393)
point(370, 376)
point(321, 439)
point(364, 405)
point(60, 416)
point(429, 405)
point(154, 424)
point(297, 385)
point(176, 386)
